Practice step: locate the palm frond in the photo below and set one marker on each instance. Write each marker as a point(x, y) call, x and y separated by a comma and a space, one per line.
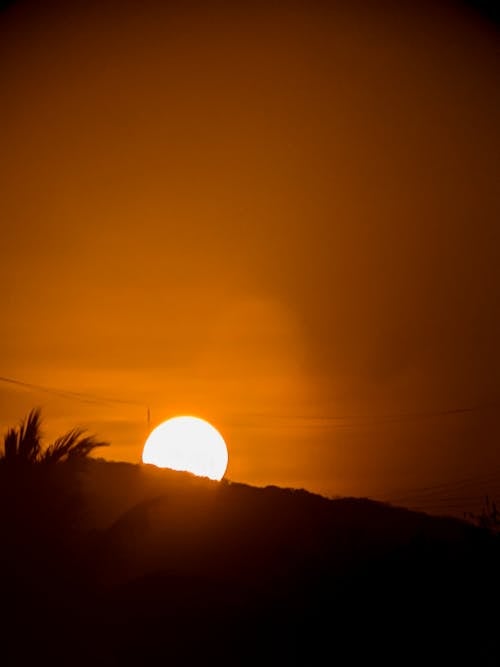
point(72, 444)
point(29, 437)
point(9, 445)
point(24, 444)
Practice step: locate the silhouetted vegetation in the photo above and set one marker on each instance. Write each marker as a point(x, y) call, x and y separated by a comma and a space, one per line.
point(488, 518)
point(23, 445)
point(111, 563)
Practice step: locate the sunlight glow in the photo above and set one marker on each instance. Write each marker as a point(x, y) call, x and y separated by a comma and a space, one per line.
point(189, 444)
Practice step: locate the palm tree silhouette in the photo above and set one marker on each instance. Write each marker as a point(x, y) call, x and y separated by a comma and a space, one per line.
point(23, 445)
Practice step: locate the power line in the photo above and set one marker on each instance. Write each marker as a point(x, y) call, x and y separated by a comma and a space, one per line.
point(492, 477)
point(359, 421)
point(94, 399)
point(388, 418)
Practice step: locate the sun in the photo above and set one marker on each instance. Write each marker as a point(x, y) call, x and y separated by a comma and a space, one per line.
point(187, 443)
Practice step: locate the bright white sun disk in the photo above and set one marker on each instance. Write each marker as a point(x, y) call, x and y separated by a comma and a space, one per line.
point(189, 444)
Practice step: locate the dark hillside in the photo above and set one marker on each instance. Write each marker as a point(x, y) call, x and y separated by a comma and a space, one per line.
point(120, 564)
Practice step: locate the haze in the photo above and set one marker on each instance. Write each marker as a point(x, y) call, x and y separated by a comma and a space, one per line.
point(283, 219)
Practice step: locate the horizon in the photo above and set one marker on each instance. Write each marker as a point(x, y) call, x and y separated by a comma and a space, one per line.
point(460, 498)
point(281, 219)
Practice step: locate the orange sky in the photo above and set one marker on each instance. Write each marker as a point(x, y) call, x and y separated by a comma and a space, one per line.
point(273, 217)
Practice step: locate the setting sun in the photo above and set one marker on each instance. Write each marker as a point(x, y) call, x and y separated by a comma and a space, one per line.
point(189, 444)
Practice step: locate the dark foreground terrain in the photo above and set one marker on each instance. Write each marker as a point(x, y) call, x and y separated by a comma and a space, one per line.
point(111, 564)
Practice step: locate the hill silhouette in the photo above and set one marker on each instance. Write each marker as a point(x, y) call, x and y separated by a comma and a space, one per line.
point(113, 563)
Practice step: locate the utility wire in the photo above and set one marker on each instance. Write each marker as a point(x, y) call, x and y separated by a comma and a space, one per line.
point(447, 487)
point(350, 421)
point(358, 420)
point(94, 398)
point(74, 395)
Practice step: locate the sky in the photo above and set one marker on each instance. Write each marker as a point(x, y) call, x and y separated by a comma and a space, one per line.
point(280, 217)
